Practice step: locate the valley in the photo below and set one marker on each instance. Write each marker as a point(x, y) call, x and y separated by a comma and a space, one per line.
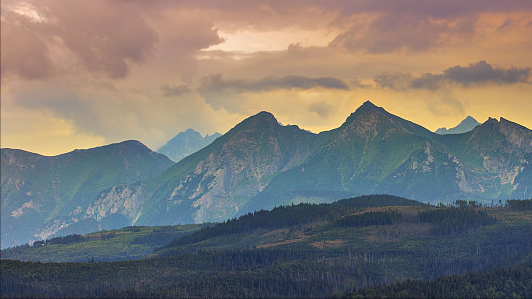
point(302, 250)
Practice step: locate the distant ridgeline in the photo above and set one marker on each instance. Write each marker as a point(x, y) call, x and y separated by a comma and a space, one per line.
point(376, 245)
point(260, 164)
point(186, 143)
point(465, 126)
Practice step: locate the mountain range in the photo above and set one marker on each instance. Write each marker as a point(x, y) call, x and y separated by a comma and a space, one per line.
point(43, 195)
point(186, 143)
point(260, 164)
point(468, 124)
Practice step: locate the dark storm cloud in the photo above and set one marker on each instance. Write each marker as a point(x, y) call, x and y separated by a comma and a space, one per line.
point(215, 83)
point(174, 90)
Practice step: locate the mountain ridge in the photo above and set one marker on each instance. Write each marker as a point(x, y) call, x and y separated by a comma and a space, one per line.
point(261, 164)
point(38, 191)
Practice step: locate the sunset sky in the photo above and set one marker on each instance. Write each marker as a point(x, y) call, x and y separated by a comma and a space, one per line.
point(79, 74)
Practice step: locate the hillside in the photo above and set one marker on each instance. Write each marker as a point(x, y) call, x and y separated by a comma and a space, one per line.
point(212, 184)
point(300, 251)
point(42, 196)
point(129, 243)
point(502, 282)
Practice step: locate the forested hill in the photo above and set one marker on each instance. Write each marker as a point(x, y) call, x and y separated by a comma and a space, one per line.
point(286, 216)
point(298, 251)
point(502, 282)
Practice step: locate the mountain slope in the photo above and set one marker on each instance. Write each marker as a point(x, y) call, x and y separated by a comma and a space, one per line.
point(38, 191)
point(186, 143)
point(260, 164)
point(468, 124)
point(372, 152)
point(375, 152)
point(213, 183)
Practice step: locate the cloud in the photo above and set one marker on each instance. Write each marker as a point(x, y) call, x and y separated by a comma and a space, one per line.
point(323, 109)
point(394, 81)
point(214, 83)
point(106, 37)
point(473, 74)
point(26, 54)
point(393, 31)
point(358, 84)
point(175, 90)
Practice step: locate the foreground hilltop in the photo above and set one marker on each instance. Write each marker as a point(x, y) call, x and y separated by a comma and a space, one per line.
point(296, 251)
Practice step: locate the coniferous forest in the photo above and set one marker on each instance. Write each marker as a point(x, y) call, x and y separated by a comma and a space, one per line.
point(371, 246)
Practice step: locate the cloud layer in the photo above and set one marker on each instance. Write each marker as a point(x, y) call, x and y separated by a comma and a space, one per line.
point(89, 72)
point(215, 83)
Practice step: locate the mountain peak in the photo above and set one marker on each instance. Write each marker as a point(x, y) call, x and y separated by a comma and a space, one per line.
point(369, 104)
point(466, 125)
point(367, 108)
point(185, 143)
point(265, 115)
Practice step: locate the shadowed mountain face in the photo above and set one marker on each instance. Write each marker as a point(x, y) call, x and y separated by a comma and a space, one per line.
point(39, 192)
point(217, 181)
point(260, 164)
point(468, 124)
point(186, 143)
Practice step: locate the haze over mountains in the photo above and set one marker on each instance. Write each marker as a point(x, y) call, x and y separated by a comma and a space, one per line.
point(260, 164)
point(186, 143)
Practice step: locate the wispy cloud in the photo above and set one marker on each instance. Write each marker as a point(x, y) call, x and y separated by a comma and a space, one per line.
point(215, 82)
point(175, 90)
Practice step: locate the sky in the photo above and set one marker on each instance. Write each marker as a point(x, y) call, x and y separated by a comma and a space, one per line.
point(79, 74)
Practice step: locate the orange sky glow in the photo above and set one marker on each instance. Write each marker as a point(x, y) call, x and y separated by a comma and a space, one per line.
point(79, 74)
